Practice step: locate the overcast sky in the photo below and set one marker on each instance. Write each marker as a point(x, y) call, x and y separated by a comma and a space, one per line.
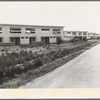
point(83, 16)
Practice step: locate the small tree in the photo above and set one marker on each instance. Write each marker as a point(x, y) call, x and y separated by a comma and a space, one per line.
point(59, 41)
point(84, 39)
point(38, 63)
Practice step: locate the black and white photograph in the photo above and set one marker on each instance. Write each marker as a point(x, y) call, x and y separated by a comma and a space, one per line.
point(49, 45)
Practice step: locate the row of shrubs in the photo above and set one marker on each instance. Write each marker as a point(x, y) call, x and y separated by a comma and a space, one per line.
point(14, 64)
point(7, 44)
point(33, 44)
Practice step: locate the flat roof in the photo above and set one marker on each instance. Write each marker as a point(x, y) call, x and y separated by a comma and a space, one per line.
point(93, 32)
point(75, 31)
point(29, 25)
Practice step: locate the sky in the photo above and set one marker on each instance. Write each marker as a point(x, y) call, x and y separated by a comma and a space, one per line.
point(75, 16)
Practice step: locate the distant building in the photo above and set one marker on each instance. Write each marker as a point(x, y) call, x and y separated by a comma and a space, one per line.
point(98, 35)
point(27, 34)
point(92, 35)
point(68, 35)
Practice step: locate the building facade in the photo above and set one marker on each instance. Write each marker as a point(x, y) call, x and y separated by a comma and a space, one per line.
point(98, 36)
point(92, 35)
point(27, 34)
point(68, 35)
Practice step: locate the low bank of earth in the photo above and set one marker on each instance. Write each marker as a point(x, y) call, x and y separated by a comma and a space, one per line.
point(33, 74)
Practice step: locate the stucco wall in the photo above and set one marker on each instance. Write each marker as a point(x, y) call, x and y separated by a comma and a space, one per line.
point(38, 34)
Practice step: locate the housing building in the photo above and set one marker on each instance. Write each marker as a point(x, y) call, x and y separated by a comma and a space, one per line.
point(68, 35)
point(98, 36)
point(92, 35)
point(27, 34)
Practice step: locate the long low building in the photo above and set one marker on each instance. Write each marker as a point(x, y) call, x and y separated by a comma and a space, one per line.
point(27, 34)
point(92, 35)
point(68, 35)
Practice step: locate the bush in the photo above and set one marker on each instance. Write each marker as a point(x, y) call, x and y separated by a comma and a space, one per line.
point(38, 63)
point(59, 41)
point(78, 39)
point(7, 44)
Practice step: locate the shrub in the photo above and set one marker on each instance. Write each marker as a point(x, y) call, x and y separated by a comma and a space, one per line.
point(59, 41)
point(38, 63)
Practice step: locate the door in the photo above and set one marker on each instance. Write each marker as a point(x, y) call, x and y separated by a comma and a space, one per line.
point(31, 39)
point(17, 41)
point(45, 40)
point(58, 38)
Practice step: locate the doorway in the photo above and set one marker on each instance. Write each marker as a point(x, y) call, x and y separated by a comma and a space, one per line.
point(15, 40)
point(45, 40)
point(32, 39)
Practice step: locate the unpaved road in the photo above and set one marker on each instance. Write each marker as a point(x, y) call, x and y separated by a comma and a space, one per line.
point(81, 72)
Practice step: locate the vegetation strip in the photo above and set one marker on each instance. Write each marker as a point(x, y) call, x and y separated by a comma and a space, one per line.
point(35, 70)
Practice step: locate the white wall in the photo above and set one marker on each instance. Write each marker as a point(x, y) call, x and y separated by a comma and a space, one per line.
point(24, 41)
point(66, 38)
point(52, 39)
point(38, 34)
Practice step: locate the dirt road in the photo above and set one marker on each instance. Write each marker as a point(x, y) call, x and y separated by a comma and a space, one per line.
point(81, 72)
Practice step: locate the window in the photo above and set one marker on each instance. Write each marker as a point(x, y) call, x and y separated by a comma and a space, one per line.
point(0, 29)
point(80, 33)
point(45, 30)
point(84, 33)
point(1, 39)
point(22, 37)
point(30, 30)
point(26, 37)
point(15, 30)
point(56, 31)
point(74, 33)
point(34, 38)
point(91, 33)
point(68, 32)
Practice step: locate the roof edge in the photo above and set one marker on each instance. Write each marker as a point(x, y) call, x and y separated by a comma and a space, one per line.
point(30, 25)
